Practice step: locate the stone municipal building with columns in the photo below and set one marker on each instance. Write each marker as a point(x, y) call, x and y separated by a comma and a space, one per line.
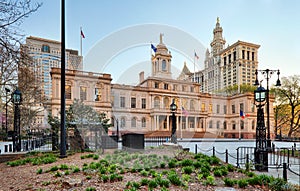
point(145, 108)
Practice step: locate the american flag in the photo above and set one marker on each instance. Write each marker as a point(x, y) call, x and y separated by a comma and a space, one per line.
point(185, 113)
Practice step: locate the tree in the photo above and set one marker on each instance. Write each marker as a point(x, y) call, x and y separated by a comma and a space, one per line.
point(12, 15)
point(81, 119)
point(244, 88)
point(288, 103)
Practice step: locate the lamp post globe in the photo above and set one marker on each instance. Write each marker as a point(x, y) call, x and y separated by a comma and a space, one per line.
point(173, 108)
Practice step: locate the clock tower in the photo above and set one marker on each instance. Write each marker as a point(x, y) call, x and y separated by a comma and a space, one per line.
point(161, 61)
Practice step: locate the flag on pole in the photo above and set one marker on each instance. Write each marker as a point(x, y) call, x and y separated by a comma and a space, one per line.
point(185, 113)
point(81, 33)
point(243, 115)
point(153, 48)
point(196, 56)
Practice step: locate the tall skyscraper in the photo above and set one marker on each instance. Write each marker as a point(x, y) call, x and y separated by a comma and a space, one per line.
point(46, 54)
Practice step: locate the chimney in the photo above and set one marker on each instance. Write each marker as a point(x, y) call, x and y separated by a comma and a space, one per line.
point(142, 77)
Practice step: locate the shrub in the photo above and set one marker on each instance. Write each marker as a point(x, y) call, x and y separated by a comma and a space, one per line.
point(104, 178)
point(113, 177)
point(67, 172)
point(186, 177)
point(250, 174)
point(187, 162)
point(76, 169)
point(187, 169)
point(172, 163)
point(54, 168)
point(174, 179)
point(218, 172)
point(144, 173)
point(95, 157)
point(88, 177)
point(277, 184)
point(210, 180)
point(136, 185)
point(144, 181)
point(230, 167)
point(214, 160)
point(165, 183)
point(57, 174)
point(152, 184)
point(39, 171)
point(90, 189)
point(63, 167)
point(162, 165)
point(229, 182)
point(242, 183)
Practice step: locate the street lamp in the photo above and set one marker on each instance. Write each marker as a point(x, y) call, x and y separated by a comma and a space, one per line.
point(267, 74)
point(261, 153)
point(173, 108)
point(17, 100)
point(6, 124)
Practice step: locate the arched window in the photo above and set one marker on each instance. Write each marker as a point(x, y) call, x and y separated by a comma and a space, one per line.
point(166, 103)
point(224, 125)
point(133, 122)
point(218, 124)
point(143, 122)
point(192, 105)
point(122, 125)
point(156, 103)
point(242, 124)
point(233, 125)
point(164, 65)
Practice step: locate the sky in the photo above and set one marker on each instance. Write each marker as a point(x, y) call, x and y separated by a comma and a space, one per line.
point(118, 33)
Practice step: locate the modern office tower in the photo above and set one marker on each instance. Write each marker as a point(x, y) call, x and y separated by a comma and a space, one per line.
point(47, 54)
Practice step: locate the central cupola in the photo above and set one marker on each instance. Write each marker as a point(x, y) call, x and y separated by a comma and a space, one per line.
point(161, 61)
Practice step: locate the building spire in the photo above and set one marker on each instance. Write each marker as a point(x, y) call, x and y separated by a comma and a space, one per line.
point(161, 38)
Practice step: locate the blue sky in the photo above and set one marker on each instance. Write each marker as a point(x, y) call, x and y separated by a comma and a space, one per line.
point(273, 24)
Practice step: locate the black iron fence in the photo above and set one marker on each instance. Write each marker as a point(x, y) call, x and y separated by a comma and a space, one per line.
point(287, 159)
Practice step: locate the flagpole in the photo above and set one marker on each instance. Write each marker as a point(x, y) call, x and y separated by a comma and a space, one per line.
point(194, 66)
point(80, 41)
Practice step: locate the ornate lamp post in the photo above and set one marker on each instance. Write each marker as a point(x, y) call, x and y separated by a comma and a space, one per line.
point(17, 100)
point(6, 128)
point(173, 108)
point(261, 153)
point(267, 74)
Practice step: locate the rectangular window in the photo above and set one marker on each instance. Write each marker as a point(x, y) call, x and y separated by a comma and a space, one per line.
point(229, 58)
point(218, 108)
point(174, 87)
point(143, 103)
point(233, 126)
point(224, 60)
point(252, 56)
point(203, 107)
point(234, 56)
point(225, 109)
point(241, 106)
point(97, 94)
point(68, 92)
point(82, 93)
point(248, 55)
point(192, 89)
point(210, 108)
point(243, 54)
point(166, 86)
point(133, 102)
point(122, 102)
point(156, 85)
point(232, 109)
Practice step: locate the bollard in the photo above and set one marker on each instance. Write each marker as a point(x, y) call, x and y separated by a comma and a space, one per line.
point(284, 172)
point(226, 156)
point(247, 162)
point(288, 158)
point(214, 154)
point(195, 148)
point(237, 158)
point(293, 153)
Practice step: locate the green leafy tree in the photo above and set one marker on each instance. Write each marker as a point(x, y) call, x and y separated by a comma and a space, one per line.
point(287, 98)
point(244, 88)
